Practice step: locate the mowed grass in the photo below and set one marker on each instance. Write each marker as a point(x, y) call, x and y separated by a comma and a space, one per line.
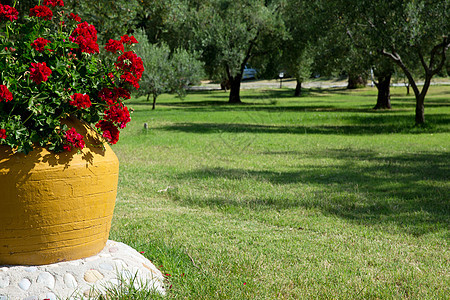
point(316, 197)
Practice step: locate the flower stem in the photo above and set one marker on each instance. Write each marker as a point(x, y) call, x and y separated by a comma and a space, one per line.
point(7, 31)
point(32, 113)
point(12, 109)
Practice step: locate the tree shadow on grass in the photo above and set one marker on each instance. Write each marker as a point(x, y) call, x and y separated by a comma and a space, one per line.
point(410, 191)
point(262, 102)
point(272, 102)
point(433, 102)
point(258, 107)
point(357, 125)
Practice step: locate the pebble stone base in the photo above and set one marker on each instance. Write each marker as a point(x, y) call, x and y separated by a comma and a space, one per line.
point(78, 279)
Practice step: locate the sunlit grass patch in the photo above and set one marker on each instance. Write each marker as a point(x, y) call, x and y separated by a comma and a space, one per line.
point(282, 197)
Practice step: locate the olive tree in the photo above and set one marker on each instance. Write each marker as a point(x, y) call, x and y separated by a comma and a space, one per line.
point(166, 71)
point(407, 32)
point(230, 33)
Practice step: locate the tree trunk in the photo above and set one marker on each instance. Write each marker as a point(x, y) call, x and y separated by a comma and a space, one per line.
point(356, 81)
point(235, 89)
point(225, 85)
point(154, 102)
point(298, 89)
point(420, 100)
point(420, 109)
point(384, 92)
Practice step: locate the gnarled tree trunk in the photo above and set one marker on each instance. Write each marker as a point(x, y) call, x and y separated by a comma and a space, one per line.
point(356, 81)
point(154, 102)
point(420, 109)
point(384, 92)
point(298, 89)
point(235, 88)
point(420, 100)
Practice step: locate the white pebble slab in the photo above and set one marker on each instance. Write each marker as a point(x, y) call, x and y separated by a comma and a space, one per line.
point(4, 282)
point(24, 284)
point(65, 279)
point(46, 279)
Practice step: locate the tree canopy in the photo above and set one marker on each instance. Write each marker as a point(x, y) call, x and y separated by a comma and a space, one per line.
point(230, 33)
point(166, 71)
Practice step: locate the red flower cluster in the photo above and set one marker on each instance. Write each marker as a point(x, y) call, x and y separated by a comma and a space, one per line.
point(54, 3)
point(130, 62)
point(122, 93)
point(39, 72)
point(114, 46)
point(73, 139)
point(119, 72)
point(133, 67)
point(75, 17)
point(107, 95)
point(128, 39)
point(39, 44)
point(8, 13)
point(41, 11)
point(5, 94)
point(80, 101)
point(85, 35)
point(118, 114)
point(110, 132)
point(130, 79)
point(110, 97)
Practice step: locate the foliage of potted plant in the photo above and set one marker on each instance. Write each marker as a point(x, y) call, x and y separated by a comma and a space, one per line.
point(61, 103)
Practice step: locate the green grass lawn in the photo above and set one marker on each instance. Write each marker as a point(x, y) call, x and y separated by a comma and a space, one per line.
point(289, 198)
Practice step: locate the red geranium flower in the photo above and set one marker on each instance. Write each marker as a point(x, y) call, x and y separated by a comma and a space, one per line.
point(122, 93)
point(85, 30)
point(73, 139)
point(110, 132)
point(111, 96)
point(75, 17)
point(129, 78)
point(114, 46)
point(41, 11)
point(130, 62)
point(39, 44)
point(80, 101)
point(118, 114)
point(128, 39)
point(5, 94)
point(8, 13)
point(39, 72)
point(2, 134)
point(54, 3)
point(86, 44)
point(85, 36)
point(107, 95)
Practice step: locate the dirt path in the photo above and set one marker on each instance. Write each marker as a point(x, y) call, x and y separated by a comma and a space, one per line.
point(290, 83)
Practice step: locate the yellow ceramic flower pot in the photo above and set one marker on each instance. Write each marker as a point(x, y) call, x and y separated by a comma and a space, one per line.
point(56, 207)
